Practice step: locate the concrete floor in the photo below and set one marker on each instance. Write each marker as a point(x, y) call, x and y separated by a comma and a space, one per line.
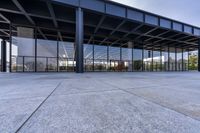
point(100, 102)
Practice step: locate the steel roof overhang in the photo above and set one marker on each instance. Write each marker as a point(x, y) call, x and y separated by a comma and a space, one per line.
point(105, 23)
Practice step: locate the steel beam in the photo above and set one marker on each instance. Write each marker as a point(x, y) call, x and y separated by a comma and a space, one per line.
point(97, 28)
point(79, 40)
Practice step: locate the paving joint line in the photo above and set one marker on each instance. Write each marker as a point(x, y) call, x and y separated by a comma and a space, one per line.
point(38, 107)
point(149, 100)
point(86, 92)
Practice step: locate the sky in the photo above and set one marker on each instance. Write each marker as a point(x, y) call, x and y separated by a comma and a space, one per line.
point(187, 11)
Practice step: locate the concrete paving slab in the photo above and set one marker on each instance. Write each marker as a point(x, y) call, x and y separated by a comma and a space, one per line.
point(71, 86)
point(107, 112)
point(13, 112)
point(100, 102)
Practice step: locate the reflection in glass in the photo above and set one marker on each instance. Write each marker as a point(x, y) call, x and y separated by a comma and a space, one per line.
point(100, 58)
point(46, 55)
point(179, 59)
point(66, 56)
point(156, 60)
point(23, 50)
point(185, 60)
point(165, 59)
point(193, 60)
point(88, 57)
point(147, 61)
point(114, 59)
point(137, 59)
point(172, 58)
point(126, 59)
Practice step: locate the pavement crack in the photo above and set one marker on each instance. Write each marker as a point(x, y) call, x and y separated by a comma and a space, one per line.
point(38, 107)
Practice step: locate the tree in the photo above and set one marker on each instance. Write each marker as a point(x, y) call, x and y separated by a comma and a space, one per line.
point(193, 59)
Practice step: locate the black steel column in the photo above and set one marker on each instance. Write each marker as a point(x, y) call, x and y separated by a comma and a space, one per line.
point(176, 59)
point(57, 53)
point(152, 63)
point(161, 61)
point(199, 55)
point(35, 37)
point(10, 49)
point(3, 56)
point(79, 40)
point(182, 60)
point(93, 56)
point(142, 57)
point(168, 65)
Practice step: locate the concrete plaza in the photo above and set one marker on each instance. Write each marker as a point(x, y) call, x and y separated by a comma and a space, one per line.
point(167, 102)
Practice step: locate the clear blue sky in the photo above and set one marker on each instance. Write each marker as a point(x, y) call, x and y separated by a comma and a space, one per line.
point(187, 11)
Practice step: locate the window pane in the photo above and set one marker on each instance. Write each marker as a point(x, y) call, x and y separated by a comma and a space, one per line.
point(137, 59)
point(172, 59)
point(88, 57)
point(147, 61)
point(165, 59)
point(126, 59)
point(185, 60)
point(156, 60)
point(100, 58)
point(23, 49)
point(114, 58)
point(46, 55)
point(179, 60)
point(193, 60)
point(66, 56)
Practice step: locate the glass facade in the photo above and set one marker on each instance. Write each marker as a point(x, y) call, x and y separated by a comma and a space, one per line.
point(147, 61)
point(66, 56)
point(100, 58)
point(193, 60)
point(46, 55)
point(172, 59)
point(137, 59)
point(126, 60)
point(88, 57)
point(114, 58)
point(156, 60)
point(179, 61)
point(31, 53)
point(165, 59)
point(185, 60)
point(23, 50)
